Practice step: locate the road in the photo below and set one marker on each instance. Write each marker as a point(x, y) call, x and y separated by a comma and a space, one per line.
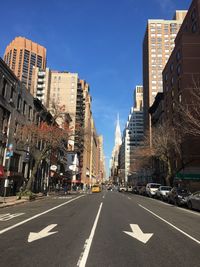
point(97, 230)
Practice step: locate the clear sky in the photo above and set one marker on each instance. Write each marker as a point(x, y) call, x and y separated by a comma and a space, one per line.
point(99, 39)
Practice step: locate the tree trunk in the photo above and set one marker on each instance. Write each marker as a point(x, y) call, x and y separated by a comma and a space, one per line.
point(31, 180)
point(169, 173)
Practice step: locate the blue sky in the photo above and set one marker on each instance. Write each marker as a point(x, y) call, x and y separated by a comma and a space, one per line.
point(99, 39)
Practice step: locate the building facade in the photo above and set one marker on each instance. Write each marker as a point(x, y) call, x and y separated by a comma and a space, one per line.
point(115, 154)
point(18, 107)
point(157, 46)
point(180, 79)
point(40, 87)
point(21, 55)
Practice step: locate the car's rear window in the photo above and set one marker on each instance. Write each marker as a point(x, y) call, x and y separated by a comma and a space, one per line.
point(166, 188)
point(154, 185)
point(182, 190)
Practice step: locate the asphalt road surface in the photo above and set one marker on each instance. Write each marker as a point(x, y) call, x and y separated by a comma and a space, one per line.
point(96, 230)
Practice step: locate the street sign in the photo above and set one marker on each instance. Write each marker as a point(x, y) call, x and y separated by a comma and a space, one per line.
point(53, 168)
point(9, 152)
point(71, 167)
point(6, 183)
point(27, 157)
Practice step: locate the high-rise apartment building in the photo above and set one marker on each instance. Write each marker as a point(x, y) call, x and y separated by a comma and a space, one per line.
point(133, 135)
point(21, 55)
point(40, 87)
point(63, 91)
point(157, 47)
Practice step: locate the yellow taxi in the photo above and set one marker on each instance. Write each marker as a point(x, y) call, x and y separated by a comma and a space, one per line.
point(96, 188)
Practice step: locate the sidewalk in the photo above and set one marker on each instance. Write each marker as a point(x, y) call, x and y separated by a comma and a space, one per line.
point(11, 201)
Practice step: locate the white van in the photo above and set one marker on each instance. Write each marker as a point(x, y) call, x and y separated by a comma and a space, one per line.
point(151, 189)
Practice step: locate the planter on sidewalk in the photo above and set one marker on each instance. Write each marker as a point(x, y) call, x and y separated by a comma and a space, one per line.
point(26, 195)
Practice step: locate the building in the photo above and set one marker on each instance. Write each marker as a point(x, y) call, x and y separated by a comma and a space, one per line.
point(133, 135)
point(158, 44)
point(40, 87)
point(115, 153)
point(65, 89)
point(18, 107)
point(180, 78)
point(101, 160)
point(21, 55)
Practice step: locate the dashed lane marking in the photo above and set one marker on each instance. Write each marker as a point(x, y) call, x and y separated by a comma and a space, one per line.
point(83, 257)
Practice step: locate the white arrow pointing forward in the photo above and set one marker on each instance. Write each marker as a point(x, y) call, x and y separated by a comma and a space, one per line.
point(138, 234)
point(43, 233)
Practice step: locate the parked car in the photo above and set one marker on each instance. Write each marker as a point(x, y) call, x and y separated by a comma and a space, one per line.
point(142, 190)
point(151, 189)
point(129, 188)
point(178, 196)
point(122, 188)
point(162, 192)
point(137, 187)
point(193, 201)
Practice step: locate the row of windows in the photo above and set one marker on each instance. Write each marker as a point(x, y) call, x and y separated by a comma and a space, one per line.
point(21, 104)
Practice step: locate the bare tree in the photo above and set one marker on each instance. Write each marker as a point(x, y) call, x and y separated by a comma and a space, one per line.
point(188, 110)
point(142, 156)
point(166, 141)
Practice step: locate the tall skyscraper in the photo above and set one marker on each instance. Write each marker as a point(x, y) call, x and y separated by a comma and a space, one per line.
point(133, 135)
point(115, 152)
point(157, 46)
point(21, 55)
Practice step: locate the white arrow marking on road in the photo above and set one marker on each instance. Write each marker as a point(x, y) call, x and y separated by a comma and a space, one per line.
point(43, 233)
point(138, 234)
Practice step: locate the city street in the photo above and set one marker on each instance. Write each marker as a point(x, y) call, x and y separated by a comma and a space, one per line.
point(102, 229)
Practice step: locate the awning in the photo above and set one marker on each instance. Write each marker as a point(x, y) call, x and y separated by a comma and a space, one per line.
point(188, 176)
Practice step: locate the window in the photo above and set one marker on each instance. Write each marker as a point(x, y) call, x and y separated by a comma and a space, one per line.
point(30, 113)
point(178, 70)
point(193, 15)
point(173, 106)
point(178, 56)
point(24, 108)
point(11, 93)
point(171, 67)
point(19, 100)
point(179, 85)
point(4, 88)
point(194, 27)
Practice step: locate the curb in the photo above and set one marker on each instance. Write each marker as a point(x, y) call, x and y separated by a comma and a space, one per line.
point(18, 202)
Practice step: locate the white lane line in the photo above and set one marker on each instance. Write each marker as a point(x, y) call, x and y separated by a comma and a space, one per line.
point(83, 258)
point(189, 211)
point(37, 215)
point(191, 237)
point(171, 205)
point(129, 198)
